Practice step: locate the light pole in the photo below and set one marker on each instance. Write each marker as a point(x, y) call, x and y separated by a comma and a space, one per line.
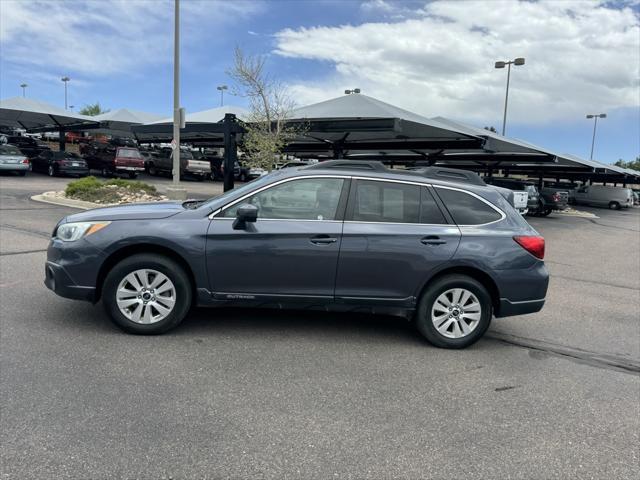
point(517, 61)
point(71, 107)
point(175, 192)
point(222, 88)
point(65, 80)
point(349, 92)
point(595, 117)
point(24, 87)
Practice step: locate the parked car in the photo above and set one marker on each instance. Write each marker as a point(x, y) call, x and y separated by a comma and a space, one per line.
point(13, 160)
point(294, 163)
point(568, 187)
point(533, 196)
point(605, 196)
point(636, 197)
point(29, 146)
point(162, 164)
point(60, 163)
point(447, 252)
point(111, 159)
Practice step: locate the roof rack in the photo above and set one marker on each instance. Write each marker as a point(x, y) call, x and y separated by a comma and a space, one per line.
point(450, 174)
point(350, 165)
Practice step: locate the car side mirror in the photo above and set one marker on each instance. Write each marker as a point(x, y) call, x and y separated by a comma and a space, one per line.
point(246, 214)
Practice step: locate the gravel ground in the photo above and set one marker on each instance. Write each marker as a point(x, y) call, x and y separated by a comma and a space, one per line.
point(249, 393)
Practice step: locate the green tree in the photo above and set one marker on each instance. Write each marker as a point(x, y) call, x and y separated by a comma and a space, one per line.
point(632, 164)
point(270, 105)
point(92, 110)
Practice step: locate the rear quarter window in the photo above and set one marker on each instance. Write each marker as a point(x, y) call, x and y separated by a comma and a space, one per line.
point(466, 209)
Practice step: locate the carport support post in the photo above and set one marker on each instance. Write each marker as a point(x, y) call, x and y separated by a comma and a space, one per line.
point(61, 140)
point(230, 150)
point(540, 181)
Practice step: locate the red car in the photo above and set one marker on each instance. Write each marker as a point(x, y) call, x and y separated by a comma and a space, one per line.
point(113, 160)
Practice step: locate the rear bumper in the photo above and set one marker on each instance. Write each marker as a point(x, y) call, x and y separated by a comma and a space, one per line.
point(73, 170)
point(508, 308)
point(129, 169)
point(58, 280)
point(14, 167)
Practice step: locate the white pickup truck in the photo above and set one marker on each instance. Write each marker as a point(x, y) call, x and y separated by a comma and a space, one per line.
point(517, 199)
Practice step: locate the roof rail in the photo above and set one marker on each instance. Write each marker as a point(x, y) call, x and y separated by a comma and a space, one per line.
point(350, 165)
point(450, 174)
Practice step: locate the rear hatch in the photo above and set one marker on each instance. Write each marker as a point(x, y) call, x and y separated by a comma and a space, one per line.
point(198, 166)
point(127, 157)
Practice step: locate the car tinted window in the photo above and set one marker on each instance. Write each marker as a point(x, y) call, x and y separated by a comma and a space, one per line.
point(304, 199)
point(386, 202)
point(9, 150)
point(128, 153)
point(429, 211)
point(467, 209)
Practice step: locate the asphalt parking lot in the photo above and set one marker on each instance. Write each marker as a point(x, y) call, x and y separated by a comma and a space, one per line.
point(238, 394)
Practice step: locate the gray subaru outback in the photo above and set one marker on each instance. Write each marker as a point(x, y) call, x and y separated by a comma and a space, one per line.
point(434, 245)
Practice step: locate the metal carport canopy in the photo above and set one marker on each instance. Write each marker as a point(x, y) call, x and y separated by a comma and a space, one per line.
point(358, 122)
point(204, 126)
point(120, 121)
point(36, 116)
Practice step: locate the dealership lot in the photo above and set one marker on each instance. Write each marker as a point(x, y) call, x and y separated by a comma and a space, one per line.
point(260, 393)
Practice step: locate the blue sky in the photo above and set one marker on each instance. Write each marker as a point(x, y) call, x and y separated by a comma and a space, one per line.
point(435, 58)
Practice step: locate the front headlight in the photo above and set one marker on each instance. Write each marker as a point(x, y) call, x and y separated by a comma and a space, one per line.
point(69, 232)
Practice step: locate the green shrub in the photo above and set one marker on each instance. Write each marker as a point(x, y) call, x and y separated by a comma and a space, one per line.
point(90, 189)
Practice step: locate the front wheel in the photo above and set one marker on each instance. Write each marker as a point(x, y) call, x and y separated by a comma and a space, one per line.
point(147, 294)
point(454, 312)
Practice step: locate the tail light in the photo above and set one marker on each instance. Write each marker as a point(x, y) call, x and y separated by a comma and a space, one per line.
point(25, 161)
point(532, 244)
point(556, 197)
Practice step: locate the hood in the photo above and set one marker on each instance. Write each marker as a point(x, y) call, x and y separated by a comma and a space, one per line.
point(134, 211)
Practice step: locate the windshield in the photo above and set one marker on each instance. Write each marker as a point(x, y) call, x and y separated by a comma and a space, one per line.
point(128, 153)
point(9, 150)
point(247, 187)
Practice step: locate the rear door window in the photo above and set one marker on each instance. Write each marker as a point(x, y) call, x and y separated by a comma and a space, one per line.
point(385, 202)
point(467, 209)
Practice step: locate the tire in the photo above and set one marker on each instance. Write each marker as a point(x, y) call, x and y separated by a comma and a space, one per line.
point(22, 173)
point(201, 178)
point(181, 294)
point(546, 212)
point(133, 175)
point(152, 170)
point(615, 206)
point(105, 172)
point(444, 286)
point(51, 171)
point(243, 177)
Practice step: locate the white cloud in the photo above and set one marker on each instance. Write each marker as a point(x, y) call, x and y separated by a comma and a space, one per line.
point(97, 38)
point(580, 56)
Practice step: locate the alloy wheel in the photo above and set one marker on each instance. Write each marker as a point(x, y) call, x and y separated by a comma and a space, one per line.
point(456, 313)
point(146, 296)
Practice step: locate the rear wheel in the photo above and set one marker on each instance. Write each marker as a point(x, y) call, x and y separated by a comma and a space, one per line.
point(105, 172)
point(614, 206)
point(133, 175)
point(152, 170)
point(546, 212)
point(454, 312)
point(22, 173)
point(147, 294)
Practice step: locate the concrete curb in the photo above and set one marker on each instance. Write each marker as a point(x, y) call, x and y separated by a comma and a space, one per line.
point(47, 197)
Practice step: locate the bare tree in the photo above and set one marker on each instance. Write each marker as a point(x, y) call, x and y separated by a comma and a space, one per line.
point(270, 105)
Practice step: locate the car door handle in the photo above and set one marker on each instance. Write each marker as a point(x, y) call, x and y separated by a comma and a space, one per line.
point(323, 240)
point(432, 240)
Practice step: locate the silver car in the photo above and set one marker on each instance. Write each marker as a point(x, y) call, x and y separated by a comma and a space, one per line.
point(13, 160)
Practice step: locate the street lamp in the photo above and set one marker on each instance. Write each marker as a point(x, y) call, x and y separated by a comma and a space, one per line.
point(23, 86)
point(517, 61)
point(595, 117)
point(71, 107)
point(349, 92)
point(222, 88)
point(65, 80)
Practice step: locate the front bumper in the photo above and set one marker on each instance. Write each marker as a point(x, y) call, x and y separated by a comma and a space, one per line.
point(71, 270)
point(58, 280)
